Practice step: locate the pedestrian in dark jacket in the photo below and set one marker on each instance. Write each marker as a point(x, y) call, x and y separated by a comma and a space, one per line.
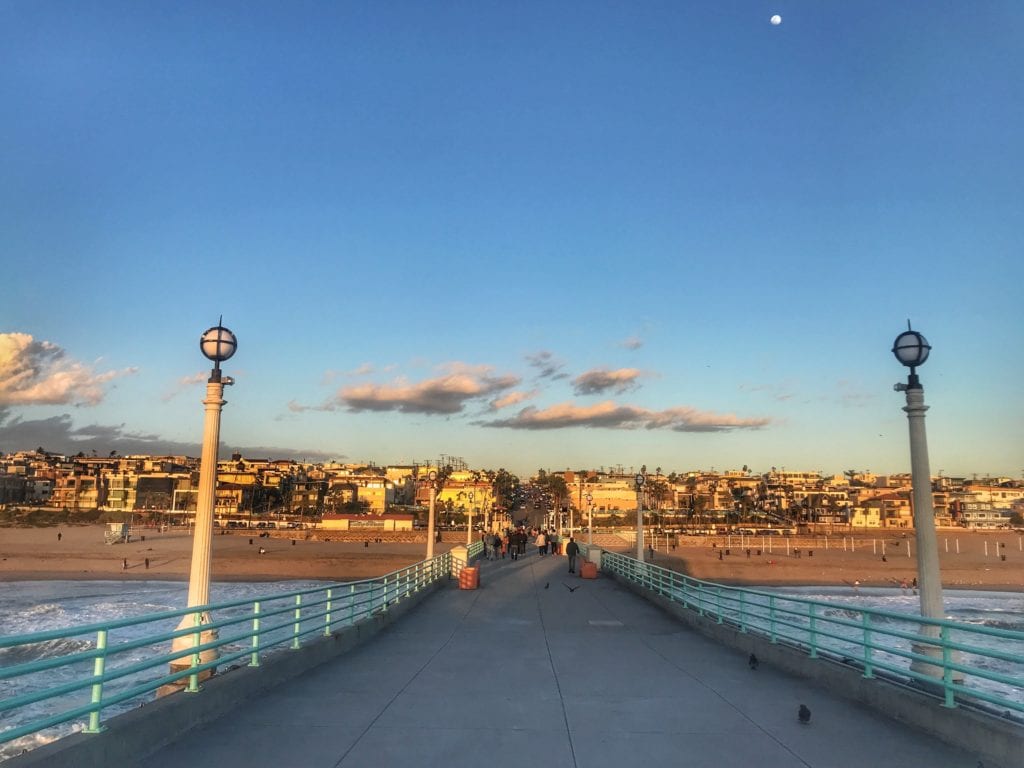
point(572, 549)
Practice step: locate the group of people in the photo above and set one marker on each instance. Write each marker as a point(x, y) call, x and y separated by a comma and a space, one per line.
point(548, 543)
point(513, 544)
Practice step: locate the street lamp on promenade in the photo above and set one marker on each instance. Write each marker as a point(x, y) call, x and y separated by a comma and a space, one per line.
point(911, 349)
point(217, 344)
point(639, 481)
point(432, 480)
point(590, 519)
point(469, 519)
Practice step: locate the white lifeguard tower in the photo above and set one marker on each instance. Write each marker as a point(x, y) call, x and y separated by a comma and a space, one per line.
point(118, 533)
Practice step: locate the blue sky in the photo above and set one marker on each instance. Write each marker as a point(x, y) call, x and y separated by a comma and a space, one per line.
point(557, 234)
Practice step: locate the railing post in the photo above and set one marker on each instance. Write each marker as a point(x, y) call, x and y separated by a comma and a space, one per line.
point(718, 606)
point(866, 622)
point(813, 637)
point(193, 679)
point(99, 664)
point(254, 659)
point(771, 619)
point(743, 611)
point(327, 615)
point(352, 604)
point(298, 622)
point(947, 672)
point(384, 592)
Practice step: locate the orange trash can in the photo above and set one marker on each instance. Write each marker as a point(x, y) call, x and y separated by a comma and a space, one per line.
point(469, 577)
point(588, 570)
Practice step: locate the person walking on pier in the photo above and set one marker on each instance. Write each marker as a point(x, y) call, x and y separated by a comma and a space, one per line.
point(572, 549)
point(542, 543)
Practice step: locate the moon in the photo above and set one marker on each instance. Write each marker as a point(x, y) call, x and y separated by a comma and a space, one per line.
point(776, 20)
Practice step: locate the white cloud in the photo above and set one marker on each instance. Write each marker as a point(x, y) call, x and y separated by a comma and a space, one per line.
point(38, 373)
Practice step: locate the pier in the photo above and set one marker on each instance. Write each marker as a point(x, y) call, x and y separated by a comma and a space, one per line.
point(538, 665)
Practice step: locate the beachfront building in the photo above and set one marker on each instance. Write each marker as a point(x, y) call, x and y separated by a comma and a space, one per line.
point(865, 517)
point(78, 488)
point(981, 515)
point(307, 494)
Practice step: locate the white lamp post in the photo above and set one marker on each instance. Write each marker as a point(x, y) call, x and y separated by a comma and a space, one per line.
point(469, 519)
point(217, 344)
point(432, 480)
point(911, 349)
point(639, 480)
point(590, 520)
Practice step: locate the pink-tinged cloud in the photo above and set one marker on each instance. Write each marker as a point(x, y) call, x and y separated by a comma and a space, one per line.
point(38, 373)
point(185, 382)
point(512, 398)
point(601, 380)
point(445, 394)
point(610, 415)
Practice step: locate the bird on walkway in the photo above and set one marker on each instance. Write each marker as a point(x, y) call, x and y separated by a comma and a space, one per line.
point(803, 714)
point(547, 585)
point(571, 589)
point(752, 662)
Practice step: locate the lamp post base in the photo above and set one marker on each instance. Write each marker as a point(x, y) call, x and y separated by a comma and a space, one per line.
point(933, 670)
point(181, 645)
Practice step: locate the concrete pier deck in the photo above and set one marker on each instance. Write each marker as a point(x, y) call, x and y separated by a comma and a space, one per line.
point(524, 672)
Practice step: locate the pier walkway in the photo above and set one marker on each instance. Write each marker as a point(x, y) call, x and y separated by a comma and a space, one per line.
point(523, 672)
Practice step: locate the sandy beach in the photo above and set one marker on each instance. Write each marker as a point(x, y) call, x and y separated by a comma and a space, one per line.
point(36, 553)
point(848, 559)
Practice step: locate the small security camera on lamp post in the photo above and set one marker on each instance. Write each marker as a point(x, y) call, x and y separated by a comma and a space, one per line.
point(217, 344)
point(911, 349)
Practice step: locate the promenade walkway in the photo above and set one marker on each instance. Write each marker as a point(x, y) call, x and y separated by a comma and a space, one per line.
point(523, 672)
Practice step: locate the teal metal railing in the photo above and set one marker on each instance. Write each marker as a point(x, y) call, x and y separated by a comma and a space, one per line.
point(965, 663)
point(76, 674)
